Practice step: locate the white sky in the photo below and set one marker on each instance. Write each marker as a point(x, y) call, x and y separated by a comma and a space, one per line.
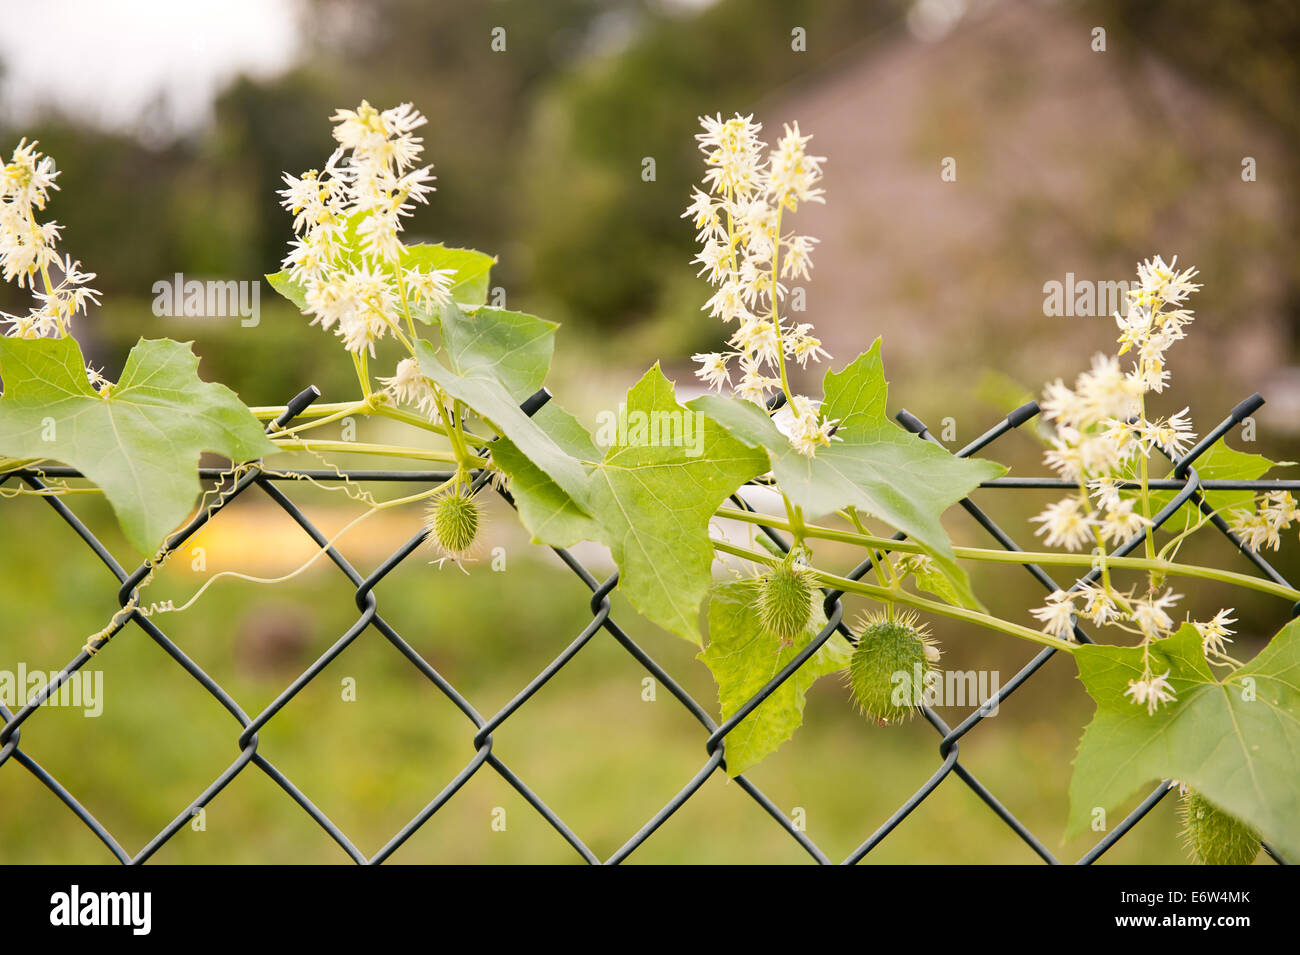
point(107, 61)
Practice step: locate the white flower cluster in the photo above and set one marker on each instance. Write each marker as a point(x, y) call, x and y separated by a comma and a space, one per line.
point(28, 248)
point(1262, 525)
point(1101, 423)
point(1147, 616)
point(748, 258)
point(348, 217)
point(1103, 437)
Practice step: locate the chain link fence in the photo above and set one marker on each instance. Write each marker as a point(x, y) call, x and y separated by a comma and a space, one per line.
point(1189, 488)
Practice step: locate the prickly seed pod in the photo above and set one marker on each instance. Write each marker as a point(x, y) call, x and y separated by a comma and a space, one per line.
point(1212, 836)
point(889, 666)
point(453, 522)
point(785, 598)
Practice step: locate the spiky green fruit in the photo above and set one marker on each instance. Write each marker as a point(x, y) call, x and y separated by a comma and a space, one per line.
point(785, 599)
point(454, 522)
point(890, 664)
point(1213, 837)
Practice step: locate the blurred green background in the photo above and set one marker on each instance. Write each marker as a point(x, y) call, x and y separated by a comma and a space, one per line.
point(1069, 159)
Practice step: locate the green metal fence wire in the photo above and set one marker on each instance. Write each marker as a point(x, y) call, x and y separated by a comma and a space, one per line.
point(1185, 481)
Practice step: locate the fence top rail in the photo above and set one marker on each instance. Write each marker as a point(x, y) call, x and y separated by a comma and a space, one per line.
point(1043, 482)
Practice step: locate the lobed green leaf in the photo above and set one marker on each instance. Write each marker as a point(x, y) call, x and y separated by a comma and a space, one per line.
point(140, 442)
point(743, 657)
point(1235, 740)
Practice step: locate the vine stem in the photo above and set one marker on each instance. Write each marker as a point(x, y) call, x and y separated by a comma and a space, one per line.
point(269, 412)
point(375, 508)
point(341, 409)
point(449, 422)
point(776, 316)
point(1022, 556)
point(406, 417)
point(898, 595)
point(17, 464)
point(406, 306)
point(363, 376)
point(1150, 539)
point(353, 447)
point(359, 407)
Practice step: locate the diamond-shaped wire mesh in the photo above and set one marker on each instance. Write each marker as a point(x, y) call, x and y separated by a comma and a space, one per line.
point(1185, 481)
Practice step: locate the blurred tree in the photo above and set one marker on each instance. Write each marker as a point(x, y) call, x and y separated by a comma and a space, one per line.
point(587, 201)
point(441, 58)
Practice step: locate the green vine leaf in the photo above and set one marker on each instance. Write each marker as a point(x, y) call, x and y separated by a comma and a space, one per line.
point(653, 503)
point(513, 348)
point(549, 512)
point(140, 442)
point(876, 467)
point(480, 385)
point(1236, 740)
point(492, 369)
point(743, 657)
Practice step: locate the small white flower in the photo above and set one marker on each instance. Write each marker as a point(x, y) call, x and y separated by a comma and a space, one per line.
point(1099, 606)
point(714, 259)
point(1057, 615)
point(380, 235)
point(1065, 456)
point(1121, 522)
point(1105, 391)
point(1162, 284)
point(1150, 616)
point(797, 260)
point(28, 177)
point(1255, 529)
point(792, 173)
point(410, 386)
point(919, 563)
point(755, 386)
point(803, 425)
point(704, 213)
point(1135, 328)
point(1277, 507)
point(1066, 523)
point(1106, 491)
point(757, 337)
point(713, 369)
point(1151, 690)
point(1215, 633)
point(801, 345)
point(430, 287)
point(1060, 403)
point(728, 302)
point(1173, 434)
point(733, 153)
